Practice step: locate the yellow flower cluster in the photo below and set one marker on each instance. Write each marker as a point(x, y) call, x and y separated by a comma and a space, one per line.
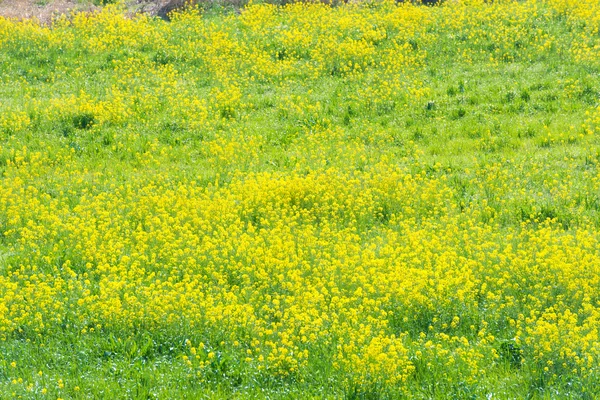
point(584, 15)
point(13, 122)
point(592, 123)
point(285, 263)
point(159, 201)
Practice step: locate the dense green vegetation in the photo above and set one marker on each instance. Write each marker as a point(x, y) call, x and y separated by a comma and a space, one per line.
point(369, 201)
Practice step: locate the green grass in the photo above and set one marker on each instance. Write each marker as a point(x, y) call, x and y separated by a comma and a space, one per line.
point(507, 137)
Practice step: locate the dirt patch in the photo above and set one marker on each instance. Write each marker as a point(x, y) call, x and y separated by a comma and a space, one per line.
point(46, 10)
point(42, 10)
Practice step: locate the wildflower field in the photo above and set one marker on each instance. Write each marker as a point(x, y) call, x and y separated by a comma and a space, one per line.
point(370, 201)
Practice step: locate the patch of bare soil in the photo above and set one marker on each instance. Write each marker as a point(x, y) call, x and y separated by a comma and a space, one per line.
point(42, 10)
point(46, 10)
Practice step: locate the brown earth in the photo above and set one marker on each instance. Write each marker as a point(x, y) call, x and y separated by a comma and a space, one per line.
point(43, 10)
point(46, 10)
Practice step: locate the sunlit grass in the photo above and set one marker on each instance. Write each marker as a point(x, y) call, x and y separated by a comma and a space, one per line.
point(370, 201)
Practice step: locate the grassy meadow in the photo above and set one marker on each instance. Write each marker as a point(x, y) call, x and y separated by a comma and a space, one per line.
point(370, 201)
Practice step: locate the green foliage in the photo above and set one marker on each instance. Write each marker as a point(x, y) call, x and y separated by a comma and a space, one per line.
point(489, 114)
